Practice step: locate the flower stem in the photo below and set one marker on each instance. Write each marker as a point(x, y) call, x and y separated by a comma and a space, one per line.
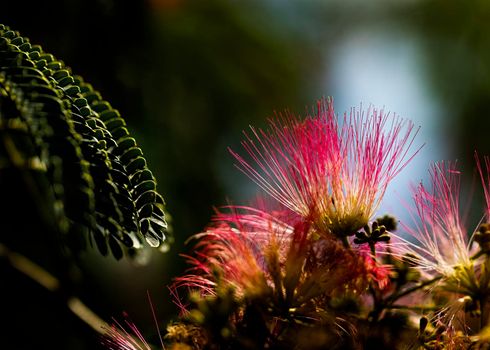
point(345, 242)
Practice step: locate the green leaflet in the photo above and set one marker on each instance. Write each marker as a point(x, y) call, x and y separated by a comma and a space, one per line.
point(58, 125)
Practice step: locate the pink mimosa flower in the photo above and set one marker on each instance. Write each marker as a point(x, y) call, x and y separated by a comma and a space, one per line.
point(377, 272)
point(118, 338)
point(443, 243)
point(262, 254)
point(330, 170)
point(125, 336)
point(485, 178)
point(233, 249)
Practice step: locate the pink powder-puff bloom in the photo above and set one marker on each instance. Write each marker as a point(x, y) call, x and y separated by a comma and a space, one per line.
point(482, 237)
point(233, 250)
point(377, 272)
point(485, 178)
point(125, 336)
point(328, 169)
point(117, 337)
point(444, 250)
point(443, 244)
point(263, 253)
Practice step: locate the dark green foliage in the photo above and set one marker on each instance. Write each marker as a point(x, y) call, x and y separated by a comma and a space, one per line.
point(55, 126)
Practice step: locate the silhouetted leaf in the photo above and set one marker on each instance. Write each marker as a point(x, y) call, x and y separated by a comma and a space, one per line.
point(98, 175)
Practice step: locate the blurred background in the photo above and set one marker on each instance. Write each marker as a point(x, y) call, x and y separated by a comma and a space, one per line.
point(189, 76)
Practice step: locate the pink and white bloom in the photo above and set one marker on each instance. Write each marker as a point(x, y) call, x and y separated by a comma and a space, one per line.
point(443, 244)
point(233, 249)
point(331, 170)
point(125, 336)
point(258, 253)
point(485, 178)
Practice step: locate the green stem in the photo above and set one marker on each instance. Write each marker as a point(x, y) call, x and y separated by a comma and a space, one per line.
point(345, 242)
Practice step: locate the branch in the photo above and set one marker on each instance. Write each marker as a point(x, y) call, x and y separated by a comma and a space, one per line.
point(52, 284)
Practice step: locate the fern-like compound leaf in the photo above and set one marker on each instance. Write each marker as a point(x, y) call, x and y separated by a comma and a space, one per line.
point(97, 175)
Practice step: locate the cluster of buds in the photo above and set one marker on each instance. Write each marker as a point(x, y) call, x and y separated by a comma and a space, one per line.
point(482, 237)
point(372, 235)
